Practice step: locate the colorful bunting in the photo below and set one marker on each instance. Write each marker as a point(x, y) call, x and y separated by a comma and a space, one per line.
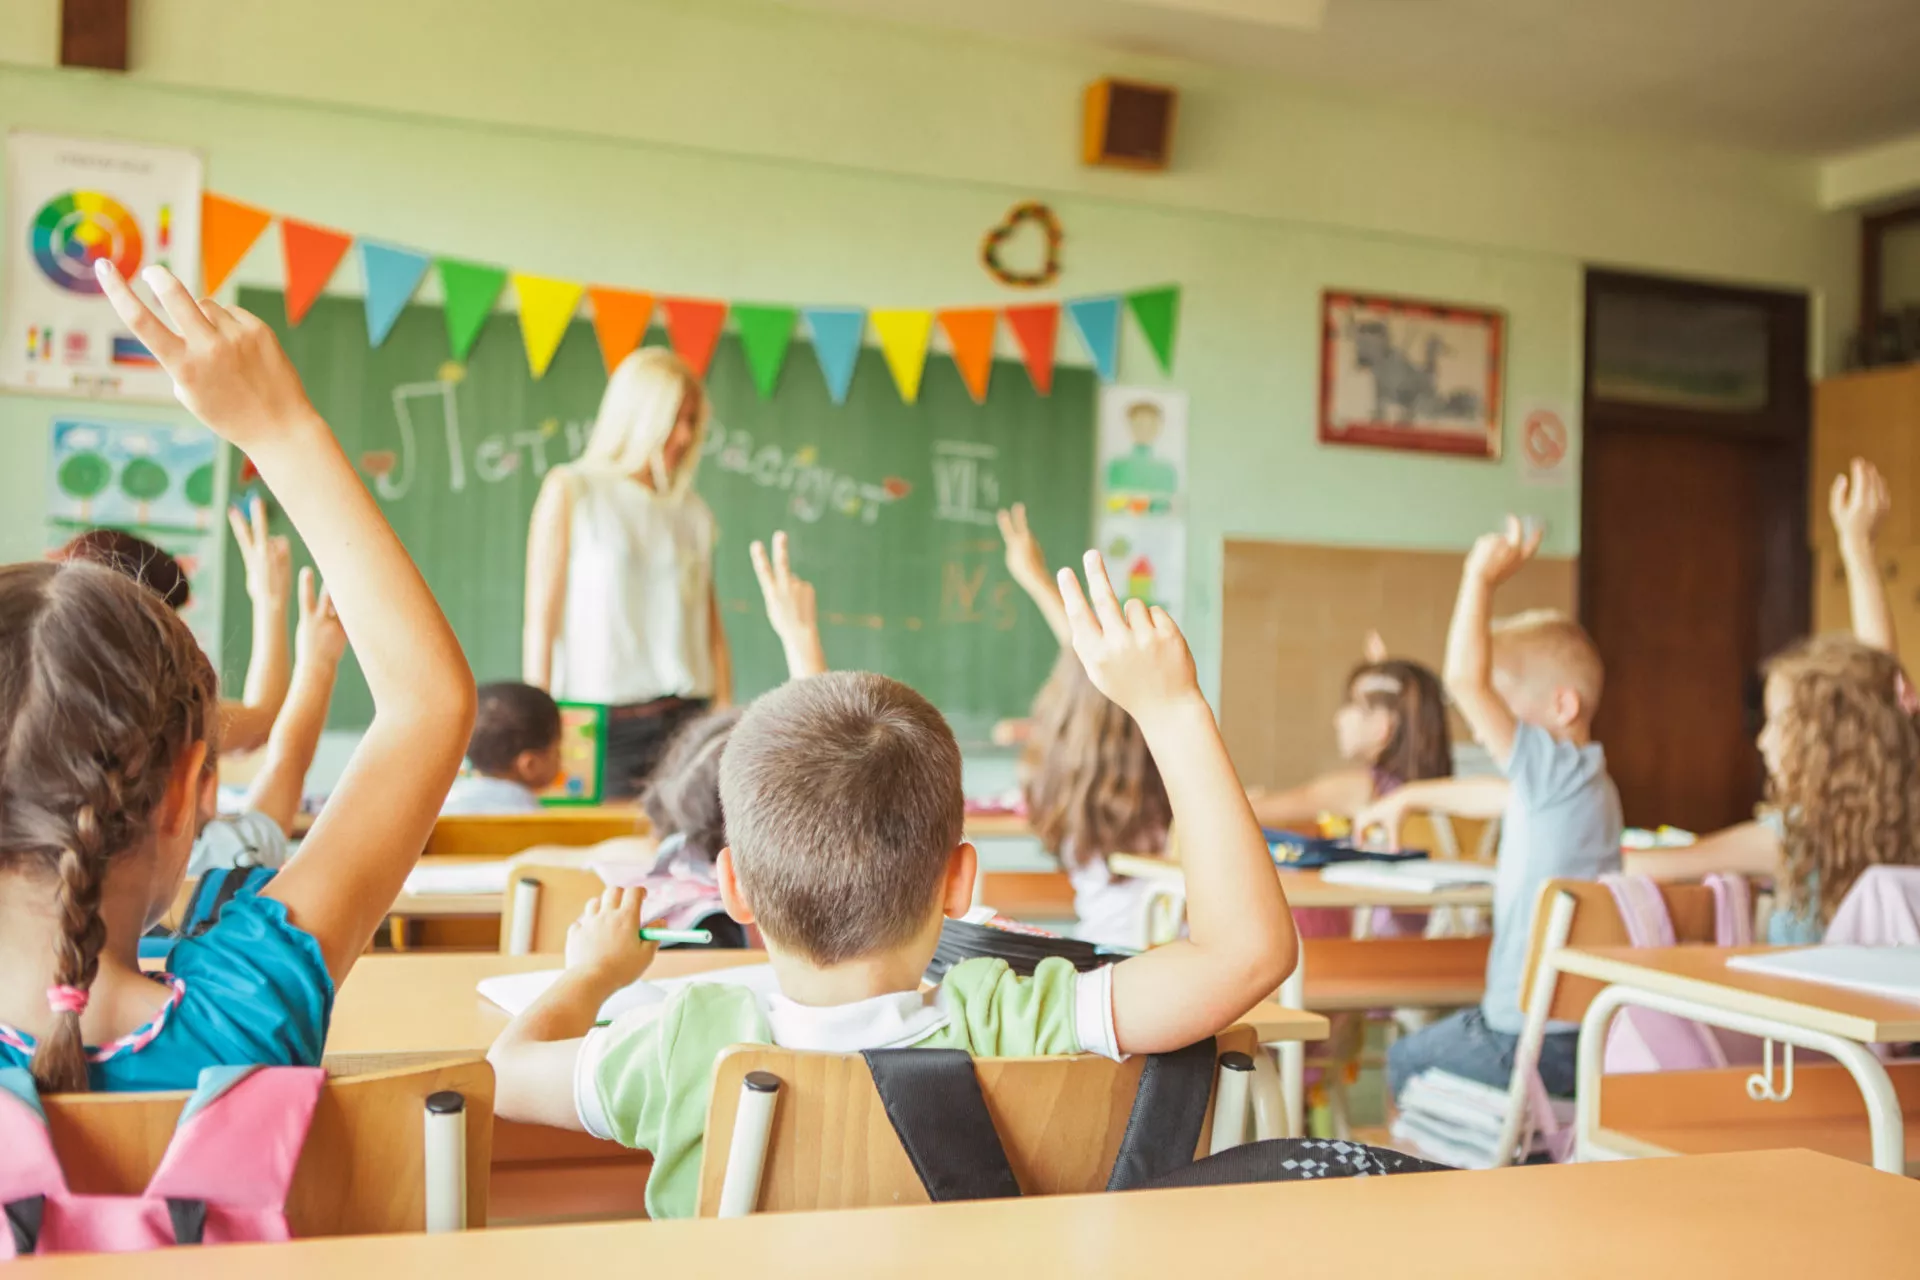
point(620, 319)
point(836, 345)
point(1158, 312)
point(903, 341)
point(472, 289)
point(392, 275)
point(765, 334)
point(970, 332)
point(693, 327)
point(1098, 320)
point(227, 230)
point(310, 254)
point(546, 309)
point(1036, 329)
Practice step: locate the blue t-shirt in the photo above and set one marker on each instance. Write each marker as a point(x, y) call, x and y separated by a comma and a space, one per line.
point(252, 990)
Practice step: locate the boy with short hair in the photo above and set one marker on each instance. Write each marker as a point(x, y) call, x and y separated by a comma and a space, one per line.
point(1528, 686)
point(514, 752)
point(844, 821)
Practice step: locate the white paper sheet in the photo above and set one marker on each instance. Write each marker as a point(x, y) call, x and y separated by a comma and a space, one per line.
point(1893, 972)
point(515, 991)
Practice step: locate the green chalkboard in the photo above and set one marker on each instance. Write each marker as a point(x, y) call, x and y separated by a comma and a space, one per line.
point(889, 505)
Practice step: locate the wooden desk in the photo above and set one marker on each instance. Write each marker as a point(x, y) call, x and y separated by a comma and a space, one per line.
point(1695, 982)
point(1310, 889)
point(1763, 1213)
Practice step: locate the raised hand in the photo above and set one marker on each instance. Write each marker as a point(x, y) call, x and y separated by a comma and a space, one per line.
point(1374, 648)
point(1498, 556)
point(268, 559)
point(1859, 503)
point(605, 940)
point(1135, 655)
point(790, 607)
point(226, 365)
point(319, 635)
point(1026, 563)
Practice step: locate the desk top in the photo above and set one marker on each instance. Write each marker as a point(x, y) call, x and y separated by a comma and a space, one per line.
point(1701, 974)
point(427, 1002)
point(1702, 1215)
point(1309, 889)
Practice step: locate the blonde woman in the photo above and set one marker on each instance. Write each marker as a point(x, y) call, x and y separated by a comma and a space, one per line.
point(621, 608)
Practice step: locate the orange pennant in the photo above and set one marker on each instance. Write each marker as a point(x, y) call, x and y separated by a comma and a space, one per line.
point(227, 230)
point(1035, 329)
point(620, 319)
point(970, 332)
point(693, 326)
point(311, 254)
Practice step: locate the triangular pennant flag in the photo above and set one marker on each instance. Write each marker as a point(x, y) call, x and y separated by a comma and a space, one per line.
point(620, 319)
point(970, 332)
point(836, 345)
point(693, 327)
point(903, 341)
point(1158, 313)
point(765, 334)
point(1036, 329)
point(1098, 320)
point(471, 288)
point(546, 309)
point(227, 230)
point(392, 275)
point(311, 254)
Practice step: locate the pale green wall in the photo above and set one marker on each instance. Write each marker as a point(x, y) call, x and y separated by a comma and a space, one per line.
point(751, 150)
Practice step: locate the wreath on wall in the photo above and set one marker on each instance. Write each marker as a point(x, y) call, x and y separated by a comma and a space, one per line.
point(1031, 211)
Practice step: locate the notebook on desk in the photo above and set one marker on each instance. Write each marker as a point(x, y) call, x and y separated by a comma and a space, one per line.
point(1893, 972)
point(514, 992)
point(1410, 877)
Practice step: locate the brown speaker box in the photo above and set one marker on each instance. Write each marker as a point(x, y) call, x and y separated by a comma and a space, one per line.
point(1129, 125)
point(93, 33)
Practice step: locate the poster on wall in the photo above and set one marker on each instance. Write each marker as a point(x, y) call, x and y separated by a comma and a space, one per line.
point(1402, 374)
point(153, 480)
point(72, 202)
point(1142, 460)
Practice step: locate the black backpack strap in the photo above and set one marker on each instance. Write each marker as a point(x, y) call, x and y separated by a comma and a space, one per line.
point(934, 1103)
point(1163, 1128)
point(1294, 1160)
point(23, 1220)
point(189, 1220)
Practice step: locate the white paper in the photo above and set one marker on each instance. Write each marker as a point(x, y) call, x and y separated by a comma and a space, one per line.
point(428, 879)
point(1893, 972)
point(1409, 877)
point(514, 992)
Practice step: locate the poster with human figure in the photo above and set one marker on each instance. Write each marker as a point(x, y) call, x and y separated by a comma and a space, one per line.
point(1142, 463)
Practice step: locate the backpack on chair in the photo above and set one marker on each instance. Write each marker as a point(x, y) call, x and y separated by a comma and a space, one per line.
point(1642, 1040)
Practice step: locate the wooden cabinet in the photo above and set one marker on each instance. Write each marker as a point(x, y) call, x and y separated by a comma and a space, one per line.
point(1873, 415)
point(1899, 569)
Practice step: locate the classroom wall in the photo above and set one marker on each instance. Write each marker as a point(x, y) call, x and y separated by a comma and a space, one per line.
point(747, 149)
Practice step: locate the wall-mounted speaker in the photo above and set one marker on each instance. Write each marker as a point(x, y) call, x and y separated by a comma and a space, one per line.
point(93, 33)
point(1128, 125)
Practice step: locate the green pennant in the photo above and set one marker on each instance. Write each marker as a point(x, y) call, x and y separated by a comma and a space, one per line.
point(471, 291)
point(765, 334)
point(1158, 311)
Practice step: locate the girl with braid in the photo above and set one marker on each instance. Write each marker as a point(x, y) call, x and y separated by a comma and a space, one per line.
point(111, 724)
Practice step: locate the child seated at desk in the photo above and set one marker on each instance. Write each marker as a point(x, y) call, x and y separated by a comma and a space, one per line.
point(513, 755)
point(1528, 687)
point(844, 816)
point(113, 721)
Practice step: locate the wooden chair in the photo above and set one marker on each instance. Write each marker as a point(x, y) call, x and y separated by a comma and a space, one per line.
point(374, 1163)
point(503, 835)
point(820, 1139)
point(1026, 895)
point(540, 902)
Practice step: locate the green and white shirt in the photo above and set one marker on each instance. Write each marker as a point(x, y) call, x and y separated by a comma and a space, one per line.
point(645, 1081)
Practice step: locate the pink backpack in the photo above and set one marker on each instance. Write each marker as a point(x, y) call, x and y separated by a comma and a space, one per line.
point(1645, 1040)
point(223, 1180)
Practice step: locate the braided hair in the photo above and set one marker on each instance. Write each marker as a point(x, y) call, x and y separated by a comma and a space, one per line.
point(102, 688)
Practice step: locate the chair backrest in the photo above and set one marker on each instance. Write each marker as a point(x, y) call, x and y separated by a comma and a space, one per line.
point(1597, 923)
point(540, 902)
point(832, 1146)
point(362, 1171)
point(503, 835)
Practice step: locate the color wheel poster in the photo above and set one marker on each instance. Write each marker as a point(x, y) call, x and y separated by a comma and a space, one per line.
point(70, 203)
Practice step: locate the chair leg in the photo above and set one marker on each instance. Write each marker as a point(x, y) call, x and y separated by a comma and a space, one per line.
point(1533, 1032)
point(1231, 1102)
point(747, 1154)
point(522, 913)
point(446, 1162)
point(1269, 1107)
point(1293, 1054)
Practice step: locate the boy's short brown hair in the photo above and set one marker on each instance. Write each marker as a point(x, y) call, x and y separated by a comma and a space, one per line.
point(843, 802)
point(1546, 645)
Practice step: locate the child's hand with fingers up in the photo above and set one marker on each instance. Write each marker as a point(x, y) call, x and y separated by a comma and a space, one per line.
point(1498, 556)
point(790, 607)
point(268, 559)
point(1135, 655)
point(319, 637)
point(1859, 503)
point(1026, 563)
point(605, 940)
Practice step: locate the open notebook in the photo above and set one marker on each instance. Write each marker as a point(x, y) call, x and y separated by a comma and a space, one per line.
point(429, 879)
point(515, 991)
point(1893, 972)
point(1410, 877)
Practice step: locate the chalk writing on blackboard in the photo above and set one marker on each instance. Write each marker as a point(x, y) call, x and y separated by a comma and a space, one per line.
point(966, 488)
point(816, 489)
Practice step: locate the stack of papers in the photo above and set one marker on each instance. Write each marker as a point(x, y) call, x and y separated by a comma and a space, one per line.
point(458, 877)
point(514, 992)
point(1456, 1121)
point(1893, 972)
point(1410, 877)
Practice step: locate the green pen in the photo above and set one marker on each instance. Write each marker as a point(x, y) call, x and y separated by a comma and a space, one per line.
point(694, 937)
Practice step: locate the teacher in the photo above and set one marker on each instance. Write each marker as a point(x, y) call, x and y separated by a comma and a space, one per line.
point(621, 609)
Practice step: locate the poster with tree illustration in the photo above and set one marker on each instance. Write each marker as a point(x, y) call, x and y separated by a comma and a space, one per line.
point(154, 480)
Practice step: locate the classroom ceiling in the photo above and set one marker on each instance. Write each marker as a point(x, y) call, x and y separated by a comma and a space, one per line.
point(1799, 76)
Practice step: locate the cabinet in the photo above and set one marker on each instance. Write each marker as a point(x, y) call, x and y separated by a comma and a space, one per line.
point(1873, 415)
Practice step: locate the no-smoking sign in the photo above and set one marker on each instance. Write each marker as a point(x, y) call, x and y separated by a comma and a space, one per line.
point(1543, 446)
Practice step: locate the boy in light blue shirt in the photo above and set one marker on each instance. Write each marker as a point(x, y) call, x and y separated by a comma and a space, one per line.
point(513, 755)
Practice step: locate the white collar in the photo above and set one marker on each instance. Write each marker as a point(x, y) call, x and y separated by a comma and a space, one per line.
point(888, 1021)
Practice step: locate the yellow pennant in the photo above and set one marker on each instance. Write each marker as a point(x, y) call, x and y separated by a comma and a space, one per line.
point(546, 309)
point(903, 341)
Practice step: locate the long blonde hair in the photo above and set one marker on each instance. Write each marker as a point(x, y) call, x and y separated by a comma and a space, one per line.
point(637, 414)
point(1090, 783)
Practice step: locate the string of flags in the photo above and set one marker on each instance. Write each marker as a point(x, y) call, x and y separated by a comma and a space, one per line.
point(311, 254)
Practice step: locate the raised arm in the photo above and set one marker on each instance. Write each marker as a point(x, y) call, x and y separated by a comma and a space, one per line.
point(1027, 565)
point(1469, 667)
point(318, 646)
point(1344, 792)
point(1241, 942)
point(1746, 849)
point(267, 562)
point(547, 551)
point(230, 372)
point(1859, 507)
point(1379, 823)
point(790, 608)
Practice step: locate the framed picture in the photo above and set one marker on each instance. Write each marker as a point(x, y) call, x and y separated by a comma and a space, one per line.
point(1396, 373)
point(583, 756)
